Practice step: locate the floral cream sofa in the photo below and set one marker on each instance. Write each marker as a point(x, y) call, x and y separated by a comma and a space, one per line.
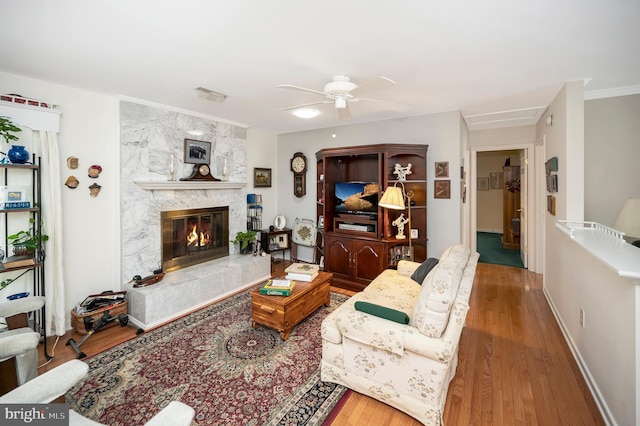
point(397, 341)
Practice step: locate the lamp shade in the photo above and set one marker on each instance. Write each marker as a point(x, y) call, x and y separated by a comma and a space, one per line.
point(392, 199)
point(628, 220)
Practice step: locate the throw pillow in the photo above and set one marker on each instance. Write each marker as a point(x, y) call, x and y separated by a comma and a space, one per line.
point(423, 270)
point(382, 312)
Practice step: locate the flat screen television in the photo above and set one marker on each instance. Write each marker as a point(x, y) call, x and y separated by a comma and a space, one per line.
point(356, 197)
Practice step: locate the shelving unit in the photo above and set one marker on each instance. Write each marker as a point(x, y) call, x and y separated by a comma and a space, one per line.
point(254, 212)
point(356, 257)
point(38, 318)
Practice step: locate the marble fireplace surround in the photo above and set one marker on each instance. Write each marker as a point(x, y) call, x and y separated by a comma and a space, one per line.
point(149, 137)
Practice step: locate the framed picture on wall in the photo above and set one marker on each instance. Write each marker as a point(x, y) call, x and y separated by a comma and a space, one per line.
point(442, 169)
point(483, 184)
point(261, 177)
point(496, 180)
point(442, 189)
point(197, 152)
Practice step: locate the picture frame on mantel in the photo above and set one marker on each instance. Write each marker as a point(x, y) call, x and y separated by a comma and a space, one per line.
point(197, 152)
point(261, 178)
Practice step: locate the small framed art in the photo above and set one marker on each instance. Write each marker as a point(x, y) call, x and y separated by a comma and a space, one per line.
point(483, 184)
point(442, 169)
point(261, 177)
point(197, 152)
point(496, 180)
point(442, 189)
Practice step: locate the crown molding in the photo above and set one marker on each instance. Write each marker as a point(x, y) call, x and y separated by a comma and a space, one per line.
point(611, 93)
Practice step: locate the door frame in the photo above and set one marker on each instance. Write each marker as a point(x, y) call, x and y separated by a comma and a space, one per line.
point(534, 238)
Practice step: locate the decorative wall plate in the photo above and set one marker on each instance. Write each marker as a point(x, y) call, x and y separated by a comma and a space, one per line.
point(280, 222)
point(304, 232)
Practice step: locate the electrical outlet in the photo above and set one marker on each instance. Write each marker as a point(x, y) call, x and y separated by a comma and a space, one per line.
point(582, 317)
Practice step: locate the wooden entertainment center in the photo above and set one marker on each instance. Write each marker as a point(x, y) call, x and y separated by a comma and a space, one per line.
point(358, 247)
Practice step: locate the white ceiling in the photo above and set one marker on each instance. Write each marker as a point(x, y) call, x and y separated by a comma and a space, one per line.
point(477, 57)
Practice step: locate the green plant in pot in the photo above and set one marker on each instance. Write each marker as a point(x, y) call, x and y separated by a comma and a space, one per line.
point(26, 242)
point(7, 128)
point(17, 154)
point(245, 241)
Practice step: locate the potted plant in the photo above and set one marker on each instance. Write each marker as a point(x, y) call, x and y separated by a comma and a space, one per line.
point(26, 242)
point(245, 241)
point(7, 128)
point(16, 154)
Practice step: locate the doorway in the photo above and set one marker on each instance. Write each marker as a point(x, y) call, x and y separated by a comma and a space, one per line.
point(498, 207)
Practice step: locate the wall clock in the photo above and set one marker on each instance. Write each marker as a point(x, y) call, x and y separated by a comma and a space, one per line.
point(299, 169)
point(200, 172)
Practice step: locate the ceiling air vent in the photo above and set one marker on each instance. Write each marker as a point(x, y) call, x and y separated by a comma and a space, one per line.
point(210, 95)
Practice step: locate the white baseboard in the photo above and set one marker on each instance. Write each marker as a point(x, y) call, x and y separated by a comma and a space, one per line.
point(607, 415)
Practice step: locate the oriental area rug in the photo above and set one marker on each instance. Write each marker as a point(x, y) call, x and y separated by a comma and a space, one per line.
point(214, 361)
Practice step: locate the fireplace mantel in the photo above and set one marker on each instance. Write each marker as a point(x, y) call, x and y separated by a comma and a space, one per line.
point(191, 184)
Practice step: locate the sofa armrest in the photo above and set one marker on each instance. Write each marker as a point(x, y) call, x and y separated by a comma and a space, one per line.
point(371, 330)
point(444, 347)
point(407, 267)
point(397, 338)
point(174, 414)
point(48, 386)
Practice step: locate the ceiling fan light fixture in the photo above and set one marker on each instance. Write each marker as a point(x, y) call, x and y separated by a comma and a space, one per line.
point(306, 113)
point(341, 103)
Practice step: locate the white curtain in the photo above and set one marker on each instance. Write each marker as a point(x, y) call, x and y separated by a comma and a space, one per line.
point(52, 222)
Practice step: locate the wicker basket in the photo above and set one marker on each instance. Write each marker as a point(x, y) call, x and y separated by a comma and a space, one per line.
point(77, 320)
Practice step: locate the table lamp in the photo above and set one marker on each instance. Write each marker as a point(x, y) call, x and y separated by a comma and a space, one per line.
point(394, 199)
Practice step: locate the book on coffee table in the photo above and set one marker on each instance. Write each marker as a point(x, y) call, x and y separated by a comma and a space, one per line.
point(302, 277)
point(278, 287)
point(302, 271)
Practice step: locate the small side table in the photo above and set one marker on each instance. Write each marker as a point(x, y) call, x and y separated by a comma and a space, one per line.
point(276, 240)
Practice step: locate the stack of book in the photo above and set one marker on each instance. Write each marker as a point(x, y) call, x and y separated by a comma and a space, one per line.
point(302, 271)
point(18, 261)
point(278, 287)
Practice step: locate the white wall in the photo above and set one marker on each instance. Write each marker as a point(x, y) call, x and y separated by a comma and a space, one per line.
point(612, 156)
point(89, 131)
point(440, 131)
point(263, 153)
point(574, 280)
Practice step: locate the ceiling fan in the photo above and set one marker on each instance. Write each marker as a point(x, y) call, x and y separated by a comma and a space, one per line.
point(341, 91)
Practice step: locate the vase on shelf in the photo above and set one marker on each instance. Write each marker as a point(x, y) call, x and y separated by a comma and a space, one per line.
point(18, 154)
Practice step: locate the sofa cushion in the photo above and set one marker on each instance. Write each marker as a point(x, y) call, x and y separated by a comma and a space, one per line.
point(423, 270)
point(382, 312)
point(392, 285)
point(439, 289)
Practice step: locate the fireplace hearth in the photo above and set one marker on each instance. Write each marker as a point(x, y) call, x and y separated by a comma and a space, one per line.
point(194, 236)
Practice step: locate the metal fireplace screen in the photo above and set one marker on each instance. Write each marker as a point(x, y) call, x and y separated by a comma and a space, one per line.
point(194, 236)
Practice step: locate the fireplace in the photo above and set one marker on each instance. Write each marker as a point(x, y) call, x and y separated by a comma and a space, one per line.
point(194, 236)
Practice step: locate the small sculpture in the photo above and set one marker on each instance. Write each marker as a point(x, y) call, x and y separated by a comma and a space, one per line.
point(94, 190)
point(94, 171)
point(400, 222)
point(72, 162)
point(72, 182)
point(402, 172)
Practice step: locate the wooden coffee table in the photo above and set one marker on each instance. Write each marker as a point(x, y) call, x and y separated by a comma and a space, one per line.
point(285, 312)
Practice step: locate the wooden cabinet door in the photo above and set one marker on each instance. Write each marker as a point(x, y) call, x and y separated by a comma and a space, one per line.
point(367, 260)
point(337, 258)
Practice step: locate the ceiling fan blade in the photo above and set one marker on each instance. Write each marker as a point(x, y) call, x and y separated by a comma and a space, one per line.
point(344, 113)
point(302, 89)
point(372, 85)
point(305, 105)
point(395, 106)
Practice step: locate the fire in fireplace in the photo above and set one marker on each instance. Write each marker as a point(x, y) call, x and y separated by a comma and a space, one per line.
point(194, 236)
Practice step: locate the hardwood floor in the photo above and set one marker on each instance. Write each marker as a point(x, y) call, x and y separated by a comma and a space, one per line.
point(514, 365)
